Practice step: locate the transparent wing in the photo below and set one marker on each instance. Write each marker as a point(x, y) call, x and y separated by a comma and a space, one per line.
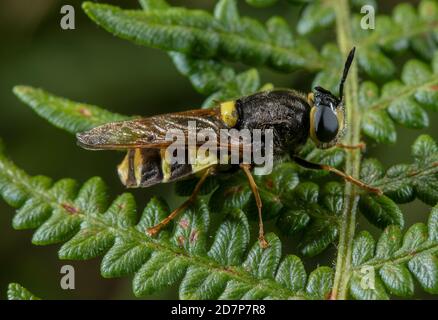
point(148, 132)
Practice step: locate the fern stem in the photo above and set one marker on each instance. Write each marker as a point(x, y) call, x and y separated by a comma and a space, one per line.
point(352, 166)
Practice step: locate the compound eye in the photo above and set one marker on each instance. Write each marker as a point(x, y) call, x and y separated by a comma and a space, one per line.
point(326, 124)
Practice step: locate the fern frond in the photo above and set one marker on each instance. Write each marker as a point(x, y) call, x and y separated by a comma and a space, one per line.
point(405, 182)
point(403, 102)
point(18, 292)
point(396, 261)
point(65, 114)
point(225, 269)
point(199, 34)
point(407, 27)
point(208, 76)
point(401, 183)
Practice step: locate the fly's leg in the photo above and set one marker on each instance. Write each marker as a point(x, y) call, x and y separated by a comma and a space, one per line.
point(155, 229)
point(246, 168)
point(317, 166)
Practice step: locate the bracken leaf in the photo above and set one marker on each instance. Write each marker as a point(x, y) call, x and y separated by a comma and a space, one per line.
point(18, 292)
point(65, 114)
point(397, 259)
point(198, 33)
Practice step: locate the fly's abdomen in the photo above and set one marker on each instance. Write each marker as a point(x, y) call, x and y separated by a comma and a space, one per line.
point(146, 167)
point(141, 167)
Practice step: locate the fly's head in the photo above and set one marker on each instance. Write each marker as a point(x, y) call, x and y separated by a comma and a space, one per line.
point(327, 115)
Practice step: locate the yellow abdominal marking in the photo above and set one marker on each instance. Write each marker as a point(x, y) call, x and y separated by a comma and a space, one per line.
point(123, 169)
point(138, 164)
point(165, 165)
point(202, 162)
point(229, 113)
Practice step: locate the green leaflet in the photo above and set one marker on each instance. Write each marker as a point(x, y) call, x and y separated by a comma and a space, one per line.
point(90, 227)
point(124, 258)
point(65, 114)
point(401, 183)
point(231, 240)
point(315, 17)
point(397, 279)
point(320, 283)
point(395, 261)
point(360, 289)
point(291, 273)
point(160, 271)
point(319, 15)
point(389, 242)
point(379, 126)
point(199, 34)
point(403, 102)
point(405, 182)
point(18, 292)
point(381, 211)
point(263, 262)
point(199, 283)
point(318, 237)
point(425, 269)
point(227, 13)
point(363, 248)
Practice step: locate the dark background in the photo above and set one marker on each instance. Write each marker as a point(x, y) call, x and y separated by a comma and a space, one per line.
point(90, 65)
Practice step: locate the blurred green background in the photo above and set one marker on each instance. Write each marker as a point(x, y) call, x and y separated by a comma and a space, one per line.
point(89, 65)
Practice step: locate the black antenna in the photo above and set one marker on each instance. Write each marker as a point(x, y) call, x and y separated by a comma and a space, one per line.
point(346, 69)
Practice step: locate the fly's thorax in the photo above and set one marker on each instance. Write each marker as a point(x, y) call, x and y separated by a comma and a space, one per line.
point(286, 112)
point(228, 113)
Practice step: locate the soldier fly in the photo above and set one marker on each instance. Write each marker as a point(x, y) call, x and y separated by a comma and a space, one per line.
point(293, 117)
